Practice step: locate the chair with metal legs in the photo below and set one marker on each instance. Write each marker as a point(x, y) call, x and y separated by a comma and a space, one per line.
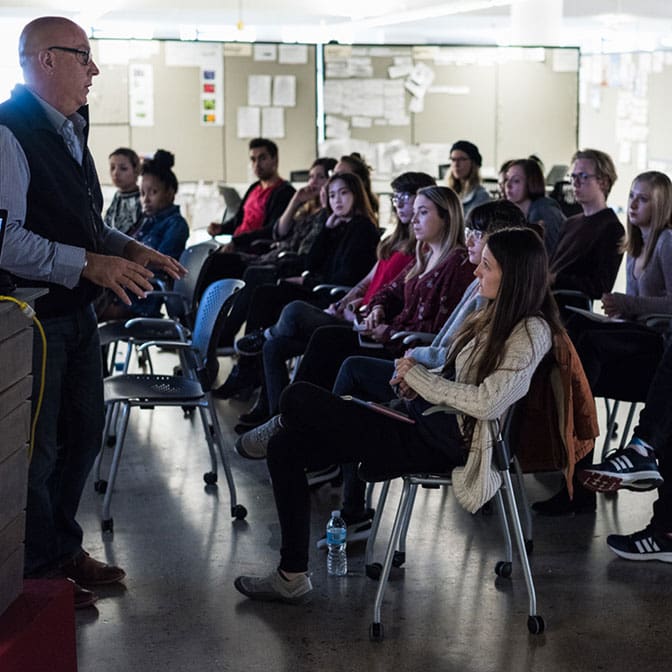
point(507, 507)
point(180, 304)
point(190, 390)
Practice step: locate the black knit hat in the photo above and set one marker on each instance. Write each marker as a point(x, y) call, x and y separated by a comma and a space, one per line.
point(470, 149)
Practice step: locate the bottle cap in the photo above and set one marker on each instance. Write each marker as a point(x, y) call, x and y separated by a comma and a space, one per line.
point(335, 514)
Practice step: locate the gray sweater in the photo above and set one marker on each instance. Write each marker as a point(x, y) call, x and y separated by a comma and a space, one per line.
point(652, 291)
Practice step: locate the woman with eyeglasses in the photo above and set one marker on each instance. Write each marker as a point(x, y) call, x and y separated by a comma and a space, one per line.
point(368, 377)
point(420, 298)
point(464, 176)
point(524, 185)
point(589, 251)
point(489, 367)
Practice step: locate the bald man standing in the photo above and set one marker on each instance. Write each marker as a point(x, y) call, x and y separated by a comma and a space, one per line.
point(56, 238)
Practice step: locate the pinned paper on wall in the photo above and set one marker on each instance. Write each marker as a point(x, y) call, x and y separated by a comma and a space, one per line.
point(249, 122)
point(284, 91)
point(293, 54)
point(141, 94)
point(265, 52)
point(259, 90)
point(272, 122)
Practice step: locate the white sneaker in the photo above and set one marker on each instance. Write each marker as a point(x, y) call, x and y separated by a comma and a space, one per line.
point(275, 588)
point(253, 444)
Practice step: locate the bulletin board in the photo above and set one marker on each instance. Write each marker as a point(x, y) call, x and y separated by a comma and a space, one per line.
point(511, 102)
point(186, 97)
point(271, 89)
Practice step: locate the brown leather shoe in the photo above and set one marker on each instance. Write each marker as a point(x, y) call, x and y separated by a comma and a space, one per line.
point(83, 598)
point(87, 571)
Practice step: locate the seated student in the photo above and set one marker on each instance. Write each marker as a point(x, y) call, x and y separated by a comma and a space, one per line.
point(525, 186)
point(394, 254)
point(420, 298)
point(293, 232)
point(628, 349)
point(489, 367)
point(125, 210)
point(588, 252)
point(343, 252)
point(355, 163)
point(264, 201)
point(162, 228)
point(464, 176)
point(635, 468)
point(368, 377)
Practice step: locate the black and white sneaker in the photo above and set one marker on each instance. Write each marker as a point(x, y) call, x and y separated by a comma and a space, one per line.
point(358, 528)
point(626, 468)
point(644, 545)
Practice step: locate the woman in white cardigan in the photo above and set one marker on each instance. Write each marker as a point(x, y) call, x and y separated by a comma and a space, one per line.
point(488, 369)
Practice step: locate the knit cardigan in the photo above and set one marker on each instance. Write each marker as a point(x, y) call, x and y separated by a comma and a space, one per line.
point(476, 482)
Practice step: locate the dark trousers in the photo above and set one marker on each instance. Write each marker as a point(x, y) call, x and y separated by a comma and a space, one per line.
point(290, 336)
point(67, 439)
point(655, 427)
point(369, 379)
point(254, 276)
point(327, 349)
point(619, 359)
point(321, 429)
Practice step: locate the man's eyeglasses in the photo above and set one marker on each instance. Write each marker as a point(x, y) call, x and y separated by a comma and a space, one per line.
point(401, 198)
point(582, 178)
point(82, 55)
point(476, 233)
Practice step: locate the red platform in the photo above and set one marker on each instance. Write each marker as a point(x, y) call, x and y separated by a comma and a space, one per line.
point(37, 632)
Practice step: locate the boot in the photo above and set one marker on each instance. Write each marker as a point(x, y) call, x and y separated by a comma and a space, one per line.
point(241, 383)
point(258, 414)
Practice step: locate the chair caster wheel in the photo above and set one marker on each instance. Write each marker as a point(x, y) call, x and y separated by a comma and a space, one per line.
point(376, 632)
point(239, 512)
point(529, 546)
point(374, 570)
point(535, 624)
point(100, 486)
point(210, 477)
point(398, 559)
point(503, 569)
point(107, 525)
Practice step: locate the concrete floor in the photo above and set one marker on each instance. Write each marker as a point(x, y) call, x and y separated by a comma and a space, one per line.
point(445, 610)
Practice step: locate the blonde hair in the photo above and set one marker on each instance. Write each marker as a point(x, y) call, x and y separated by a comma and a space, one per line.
point(450, 211)
point(661, 215)
point(464, 187)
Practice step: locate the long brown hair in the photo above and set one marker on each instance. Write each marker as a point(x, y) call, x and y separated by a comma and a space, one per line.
point(524, 292)
point(449, 207)
point(661, 215)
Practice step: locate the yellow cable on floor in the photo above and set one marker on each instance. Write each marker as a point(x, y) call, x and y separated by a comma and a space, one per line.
point(28, 311)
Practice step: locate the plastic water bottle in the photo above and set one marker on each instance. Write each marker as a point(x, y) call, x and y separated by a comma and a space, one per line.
point(119, 360)
point(337, 560)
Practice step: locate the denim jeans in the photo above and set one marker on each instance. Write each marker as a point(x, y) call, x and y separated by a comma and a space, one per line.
point(67, 439)
point(290, 335)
